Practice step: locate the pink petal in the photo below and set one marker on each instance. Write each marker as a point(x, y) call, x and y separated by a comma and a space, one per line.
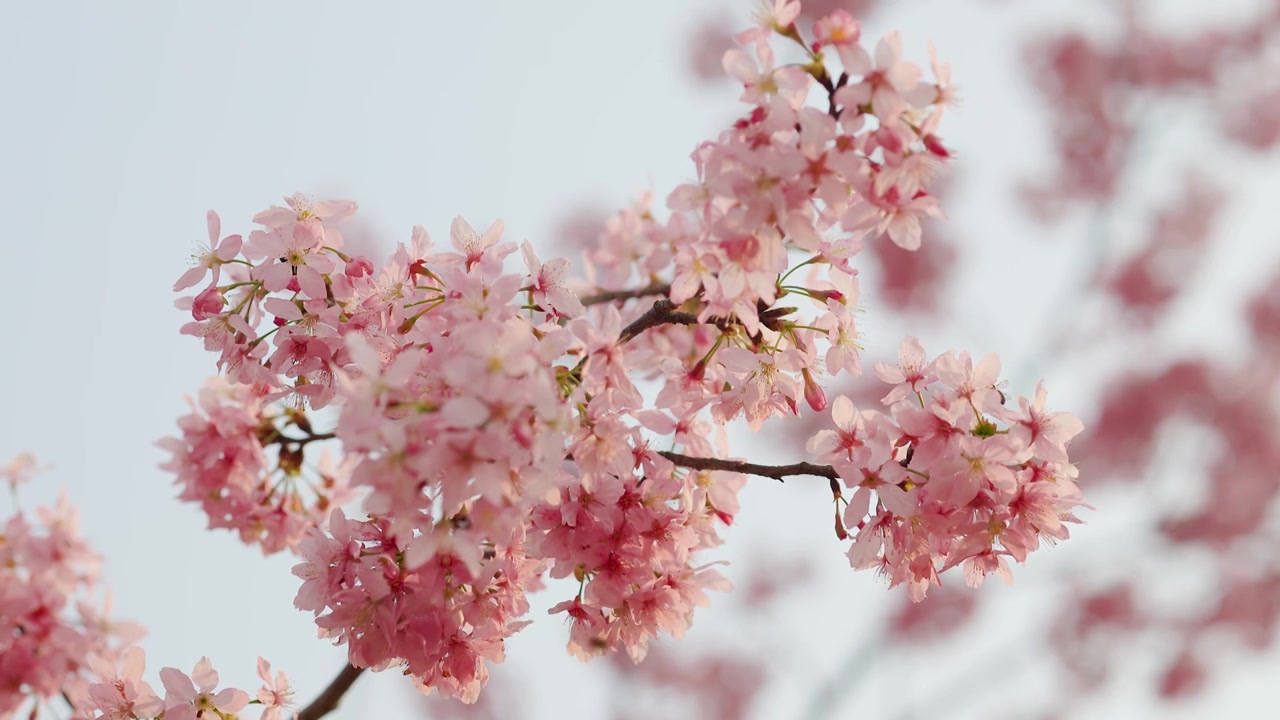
point(215, 227)
point(190, 278)
point(204, 676)
point(275, 217)
point(531, 259)
point(231, 700)
point(276, 277)
point(135, 660)
point(464, 412)
point(911, 353)
point(335, 212)
point(888, 50)
point(740, 66)
point(855, 59)
point(229, 248)
point(178, 684)
point(103, 669)
point(462, 235)
point(843, 412)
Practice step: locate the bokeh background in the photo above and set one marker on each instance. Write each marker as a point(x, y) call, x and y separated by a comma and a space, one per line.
point(1110, 229)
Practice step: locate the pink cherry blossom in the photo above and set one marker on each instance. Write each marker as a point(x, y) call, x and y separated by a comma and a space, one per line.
point(20, 470)
point(547, 281)
point(191, 697)
point(275, 694)
point(211, 256)
point(492, 422)
point(910, 376)
point(124, 694)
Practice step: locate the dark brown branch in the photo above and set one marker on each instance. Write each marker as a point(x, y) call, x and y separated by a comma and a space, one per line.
point(664, 312)
point(777, 472)
point(654, 288)
point(327, 701)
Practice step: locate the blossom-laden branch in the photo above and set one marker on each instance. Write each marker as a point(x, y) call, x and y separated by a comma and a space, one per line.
point(777, 472)
point(456, 410)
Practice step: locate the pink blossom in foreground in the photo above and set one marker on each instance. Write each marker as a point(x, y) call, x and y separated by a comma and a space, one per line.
point(124, 694)
point(190, 697)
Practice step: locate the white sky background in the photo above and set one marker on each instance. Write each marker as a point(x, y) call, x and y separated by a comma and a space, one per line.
point(121, 123)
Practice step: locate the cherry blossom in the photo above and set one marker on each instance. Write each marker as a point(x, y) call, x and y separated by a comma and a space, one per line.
point(490, 421)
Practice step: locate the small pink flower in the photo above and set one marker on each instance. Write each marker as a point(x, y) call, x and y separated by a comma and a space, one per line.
point(20, 469)
point(275, 694)
point(1046, 434)
point(771, 16)
point(471, 244)
point(911, 376)
point(297, 259)
point(547, 281)
point(123, 695)
point(762, 81)
point(211, 256)
point(189, 698)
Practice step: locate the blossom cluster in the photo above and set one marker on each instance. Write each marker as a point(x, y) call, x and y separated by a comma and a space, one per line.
point(958, 476)
point(50, 620)
point(788, 187)
point(222, 462)
point(120, 693)
point(491, 420)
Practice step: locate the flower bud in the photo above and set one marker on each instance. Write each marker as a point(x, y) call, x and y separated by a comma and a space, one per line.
point(358, 267)
point(934, 145)
point(208, 303)
point(813, 393)
point(698, 372)
point(825, 295)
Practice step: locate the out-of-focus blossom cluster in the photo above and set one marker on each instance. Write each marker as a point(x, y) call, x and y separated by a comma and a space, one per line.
point(51, 618)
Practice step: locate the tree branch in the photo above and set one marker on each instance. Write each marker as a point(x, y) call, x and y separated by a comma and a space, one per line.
point(654, 288)
point(664, 312)
point(777, 472)
point(327, 701)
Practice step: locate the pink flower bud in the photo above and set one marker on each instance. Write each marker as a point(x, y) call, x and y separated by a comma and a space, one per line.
point(825, 295)
point(208, 303)
point(698, 372)
point(358, 267)
point(813, 393)
point(293, 285)
point(934, 145)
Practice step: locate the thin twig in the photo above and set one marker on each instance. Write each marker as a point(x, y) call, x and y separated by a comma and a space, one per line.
point(327, 701)
point(777, 472)
point(655, 288)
